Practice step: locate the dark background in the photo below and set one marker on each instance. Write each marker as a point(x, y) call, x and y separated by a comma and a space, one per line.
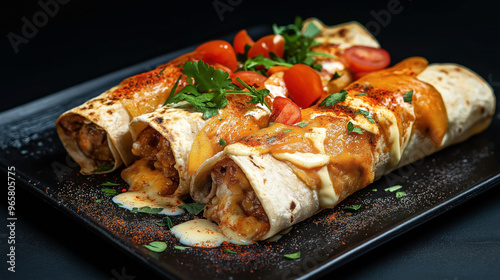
point(87, 39)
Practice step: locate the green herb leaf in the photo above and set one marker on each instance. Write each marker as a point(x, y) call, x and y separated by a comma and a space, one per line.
point(149, 210)
point(103, 168)
point(109, 191)
point(400, 194)
point(230, 251)
point(287, 130)
point(180, 248)
point(134, 210)
point(393, 188)
point(98, 201)
point(168, 221)
point(333, 99)
point(222, 142)
point(119, 204)
point(108, 184)
point(209, 87)
point(366, 114)
point(374, 190)
point(292, 256)
point(302, 124)
point(361, 94)
point(407, 96)
point(192, 208)
point(272, 123)
point(352, 128)
point(156, 246)
point(335, 76)
point(271, 139)
point(353, 207)
point(311, 31)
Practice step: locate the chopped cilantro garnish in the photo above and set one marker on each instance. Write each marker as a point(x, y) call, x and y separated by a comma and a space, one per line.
point(333, 99)
point(352, 128)
point(230, 251)
point(109, 191)
point(353, 207)
point(149, 210)
point(271, 139)
point(335, 76)
point(165, 222)
point(292, 256)
point(192, 208)
point(156, 246)
point(302, 124)
point(400, 194)
point(108, 184)
point(180, 248)
point(361, 94)
point(222, 142)
point(393, 188)
point(287, 130)
point(366, 114)
point(407, 96)
point(103, 168)
point(208, 87)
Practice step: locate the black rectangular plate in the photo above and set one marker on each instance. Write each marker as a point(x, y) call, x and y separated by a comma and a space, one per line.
point(29, 142)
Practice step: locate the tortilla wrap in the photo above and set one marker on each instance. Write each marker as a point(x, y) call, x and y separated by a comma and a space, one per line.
point(287, 197)
point(193, 140)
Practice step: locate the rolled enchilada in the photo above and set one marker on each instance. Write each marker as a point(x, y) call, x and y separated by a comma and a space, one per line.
point(282, 174)
point(96, 133)
point(172, 142)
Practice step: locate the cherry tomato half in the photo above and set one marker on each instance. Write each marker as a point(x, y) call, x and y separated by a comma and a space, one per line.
point(250, 78)
point(366, 59)
point(266, 44)
point(218, 51)
point(303, 84)
point(240, 40)
point(285, 111)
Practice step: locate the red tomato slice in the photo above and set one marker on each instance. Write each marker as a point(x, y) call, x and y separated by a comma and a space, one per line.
point(240, 40)
point(218, 51)
point(366, 59)
point(285, 111)
point(266, 44)
point(250, 78)
point(303, 84)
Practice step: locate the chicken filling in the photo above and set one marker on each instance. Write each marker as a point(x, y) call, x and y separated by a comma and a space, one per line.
point(235, 206)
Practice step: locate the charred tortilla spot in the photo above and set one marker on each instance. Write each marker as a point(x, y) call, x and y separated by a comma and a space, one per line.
point(291, 219)
point(109, 112)
point(292, 206)
point(159, 120)
point(459, 130)
point(91, 113)
point(342, 32)
point(444, 71)
point(483, 110)
point(251, 160)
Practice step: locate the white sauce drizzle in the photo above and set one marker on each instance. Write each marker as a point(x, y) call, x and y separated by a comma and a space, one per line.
point(317, 136)
point(239, 149)
point(135, 199)
point(199, 233)
point(306, 160)
point(326, 193)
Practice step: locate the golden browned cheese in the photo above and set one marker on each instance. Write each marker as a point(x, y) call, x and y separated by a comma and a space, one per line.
point(230, 125)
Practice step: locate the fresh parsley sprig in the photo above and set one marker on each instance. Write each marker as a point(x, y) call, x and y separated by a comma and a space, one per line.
point(207, 89)
point(333, 99)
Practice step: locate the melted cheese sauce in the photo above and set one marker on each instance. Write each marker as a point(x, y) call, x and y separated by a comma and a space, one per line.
point(137, 199)
point(317, 137)
point(326, 193)
point(199, 233)
point(306, 160)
